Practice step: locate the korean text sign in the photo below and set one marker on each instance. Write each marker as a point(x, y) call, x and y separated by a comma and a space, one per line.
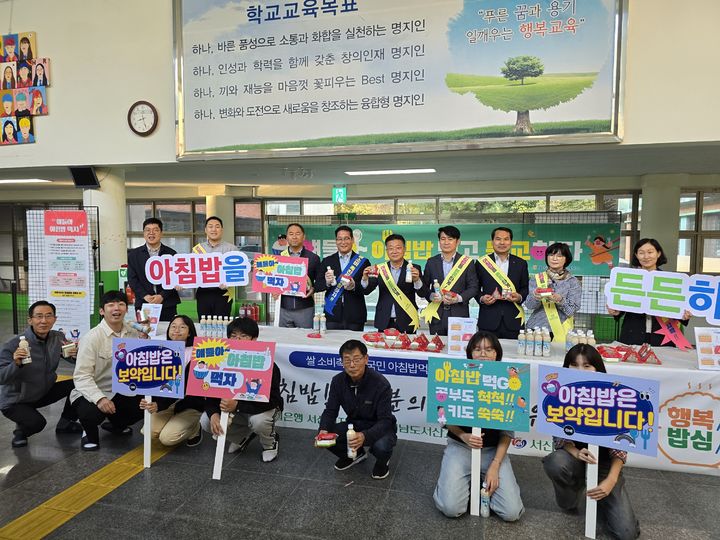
point(148, 367)
point(664, 294)
point(484, 394)
point(277, 274)
point(231, 369)
point(198, 269)
point(613, 411)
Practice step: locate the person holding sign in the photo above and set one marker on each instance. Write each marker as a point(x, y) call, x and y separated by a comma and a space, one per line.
point(176, 421)
point(554, 294)
point(503, 279)
point(298, 312)
point(566, 466)
point(454, 277)
point(214, 300)
point(344, 299)
point(396, 307)
point(93, 398)
point(638, 328)
point(28, 376)
point(452, 492)
point(248, 419)
point(365, 396)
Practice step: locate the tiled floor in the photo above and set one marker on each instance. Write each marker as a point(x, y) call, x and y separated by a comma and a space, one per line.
point(300, 495)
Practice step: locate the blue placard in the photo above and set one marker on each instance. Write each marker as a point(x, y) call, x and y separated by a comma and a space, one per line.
point(148, 367)
point(484, 394)
point(613, 411)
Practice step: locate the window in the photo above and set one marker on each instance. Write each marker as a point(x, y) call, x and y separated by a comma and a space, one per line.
point(424, 207)
point(492, 205)
point(248, 218)
point(183, 223)
point(313, 208)
point(572, 203)
point(373, 207)
point(699, 243)
point(282, 208)
point(687, 212)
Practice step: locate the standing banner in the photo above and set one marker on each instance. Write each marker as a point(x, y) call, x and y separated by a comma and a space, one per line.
point(278, 274)
point(707, 341)
point(61, 268)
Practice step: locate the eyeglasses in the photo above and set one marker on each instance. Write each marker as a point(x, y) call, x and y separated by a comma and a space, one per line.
point(353, 361)
point(44, 316)
point(488, 352)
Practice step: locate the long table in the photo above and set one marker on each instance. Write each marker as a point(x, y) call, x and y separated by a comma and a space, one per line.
point(689, 412)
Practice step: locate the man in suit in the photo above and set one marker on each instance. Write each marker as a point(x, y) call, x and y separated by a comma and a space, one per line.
point(213, 300)
point(500, 306)
point(388, 312)
point(344, 297)
point(298, 312)
point(453, 301)
point(146, 292)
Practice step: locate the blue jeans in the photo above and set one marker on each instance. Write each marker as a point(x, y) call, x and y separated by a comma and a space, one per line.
point(382, 449)
point(452, 493)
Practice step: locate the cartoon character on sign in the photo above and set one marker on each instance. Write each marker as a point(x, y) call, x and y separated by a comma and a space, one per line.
point(252, 386)
point(442, 420)
point(601, 250)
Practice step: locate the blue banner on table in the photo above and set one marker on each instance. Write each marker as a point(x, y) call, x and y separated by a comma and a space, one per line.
point(148, 367)
point(598, 408)
point(484, 394)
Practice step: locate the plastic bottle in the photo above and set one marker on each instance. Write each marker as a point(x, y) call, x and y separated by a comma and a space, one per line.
point(591, 338)
point(581, 337)
point(256, 312)
point(217, 327)
point(538, 343)
point(352, 454)
point(546, 343)
point(569, 340)
point(334, 281)
point(144, 328)
point(522, 343)
point(323, 324)
point(484, 501)
point(25, 346)
point(436, 287)
point(316, 323)
point(408, 272)
point(203, 326)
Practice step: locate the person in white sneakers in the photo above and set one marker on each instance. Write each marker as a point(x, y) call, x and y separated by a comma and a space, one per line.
point(248, 419)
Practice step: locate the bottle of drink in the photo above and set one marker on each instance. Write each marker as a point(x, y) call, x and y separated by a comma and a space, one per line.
point(24, 345)
point(546, 343)
point(484, 501)
point(436, 287)
point(316, 323)
point(538, 343)
point(591, 338)
point(408, 272)
point(352, 454)
point(334, 281)
point(203, 326)
point(569, 340)
point(581, 337)
point(144, 328)
point(217, 327)
point(521, 343)
point(323, 324)
point(226, 323)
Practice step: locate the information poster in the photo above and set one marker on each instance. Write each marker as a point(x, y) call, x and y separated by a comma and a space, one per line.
point(707, 341)
point(278, 274)
point(460, 331)
point(148, 367)
point(613, 411)
point(275, 74)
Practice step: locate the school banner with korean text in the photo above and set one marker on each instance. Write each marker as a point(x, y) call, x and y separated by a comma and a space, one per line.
point(613, 411)
point(199, 269)
point(594, 246)
point(148, 367)
point(278, 274)
point(310, 76)
point(231, 369)
point(474, 393)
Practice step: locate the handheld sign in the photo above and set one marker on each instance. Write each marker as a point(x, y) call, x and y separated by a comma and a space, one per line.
point(278, 274)
point(478, 394)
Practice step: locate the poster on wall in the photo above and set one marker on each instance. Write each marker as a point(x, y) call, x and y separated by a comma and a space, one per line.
point(60, 267)
point(265, 75)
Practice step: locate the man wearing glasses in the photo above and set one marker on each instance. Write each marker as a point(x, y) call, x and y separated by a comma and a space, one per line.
point(365, 396)
point(28, 381)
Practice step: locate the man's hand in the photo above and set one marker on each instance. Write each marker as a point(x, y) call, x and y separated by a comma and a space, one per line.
point(350, 285)
point(215, 426)
point(415, 274)
point(310, 292)
point(106, 406)
point(228, 405)
point(366, 273)
point(148, 298)
point(492, 477)
point(514, 297)
point(358, 441)
point(18, 356)
point(473, 441)
point(603, 489)
point(450, 298)
point(686, 315)
point(329, 277)
point(488, 299)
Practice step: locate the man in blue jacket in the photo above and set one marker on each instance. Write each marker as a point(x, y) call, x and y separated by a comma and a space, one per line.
point(365, 396)
point(26, 386)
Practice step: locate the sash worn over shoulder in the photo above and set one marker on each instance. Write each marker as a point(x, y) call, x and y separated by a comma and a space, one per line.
point(399, 297)
point(431, 311)
point(350, 270)
point(230, 291)
point(502, 280)
point(559, 329)
point(671, 332)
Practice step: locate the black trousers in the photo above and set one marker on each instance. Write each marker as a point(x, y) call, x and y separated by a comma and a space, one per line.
point(211, 301)
point(27, 416)
point(127, 412)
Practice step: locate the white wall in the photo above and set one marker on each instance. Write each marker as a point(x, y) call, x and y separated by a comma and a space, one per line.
point(106, 54)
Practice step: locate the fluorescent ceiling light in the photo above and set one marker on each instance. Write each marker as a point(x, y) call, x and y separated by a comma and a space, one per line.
point(26, 181)
point(391, 171)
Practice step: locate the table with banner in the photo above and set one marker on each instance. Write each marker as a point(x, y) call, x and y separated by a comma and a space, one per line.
point(689, 412)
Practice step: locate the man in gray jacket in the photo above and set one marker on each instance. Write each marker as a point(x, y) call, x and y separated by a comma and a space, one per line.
point(27, 386)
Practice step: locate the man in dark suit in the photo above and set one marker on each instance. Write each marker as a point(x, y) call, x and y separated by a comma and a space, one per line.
point(499, 305)
point(454, 302)
point(298, 312)
point(388, 312)
point(146, 292)
point(349, 312)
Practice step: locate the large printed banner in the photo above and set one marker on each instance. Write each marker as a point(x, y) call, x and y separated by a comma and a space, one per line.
point(278, 274)
point(199, 269)
point(284, 74)
point(231, 369)
point(665, 294)
point(594, 246)
point(148, 367)
point(484, 394)
point(613, 411)
point(687, 419)
point(61, 267)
